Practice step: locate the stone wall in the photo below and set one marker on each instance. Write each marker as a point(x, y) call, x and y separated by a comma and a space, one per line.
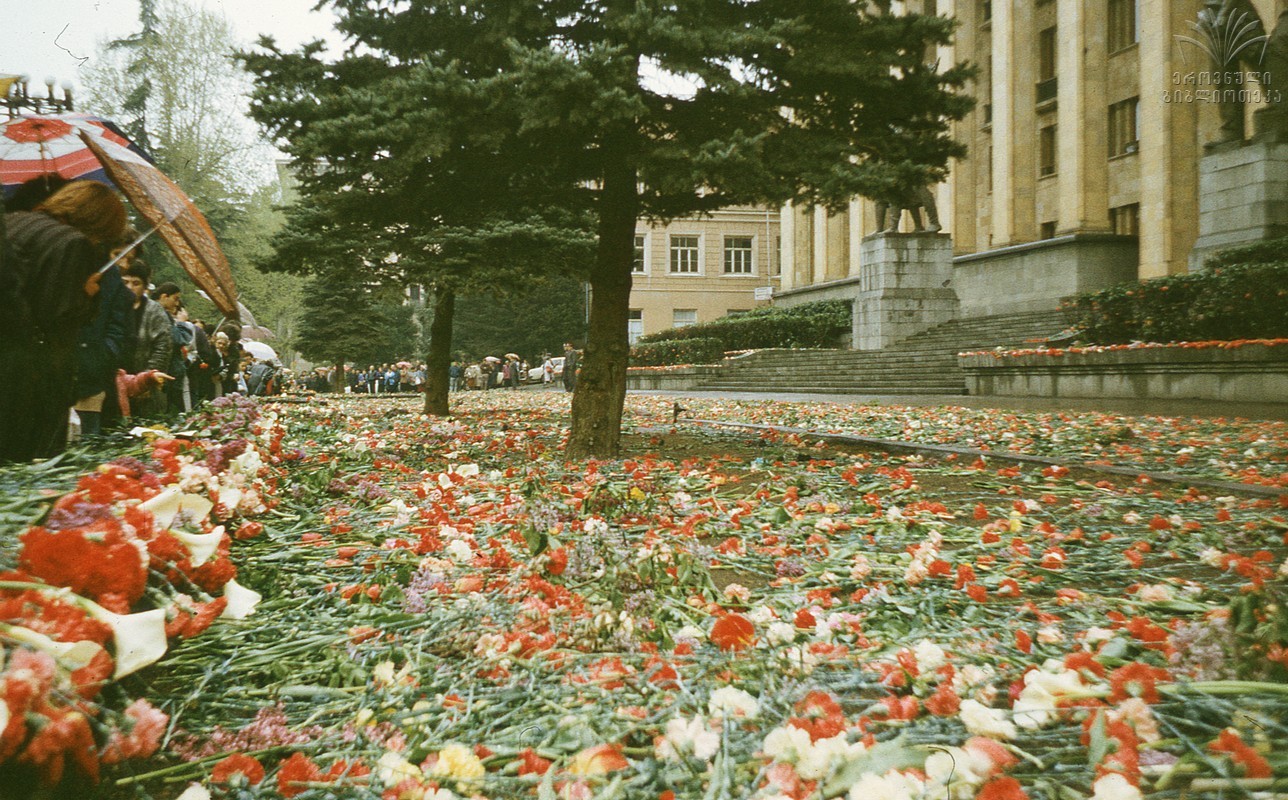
point(679, 379)
point(1248, 374)
point(1038, 275)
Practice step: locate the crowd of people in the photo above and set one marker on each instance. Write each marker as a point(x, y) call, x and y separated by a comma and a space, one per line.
point(85, 337)
point(491, 372)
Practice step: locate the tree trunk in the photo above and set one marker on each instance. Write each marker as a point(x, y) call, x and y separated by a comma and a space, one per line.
point(438, 363)
point(600, 392)
point(337, 383)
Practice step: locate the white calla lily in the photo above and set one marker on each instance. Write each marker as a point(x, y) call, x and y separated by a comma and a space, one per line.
point(139, 639)
point(201, 546)
point(241, 601)
point(171, 502)
point(70, 655)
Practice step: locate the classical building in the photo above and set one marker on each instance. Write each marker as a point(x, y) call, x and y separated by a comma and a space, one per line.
point(1094, 152)
point(698, 269)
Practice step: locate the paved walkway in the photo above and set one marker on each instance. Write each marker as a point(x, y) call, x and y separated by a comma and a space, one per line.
point(1133, 407)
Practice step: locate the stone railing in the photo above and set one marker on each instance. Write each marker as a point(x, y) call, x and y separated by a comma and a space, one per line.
point(1245, 372)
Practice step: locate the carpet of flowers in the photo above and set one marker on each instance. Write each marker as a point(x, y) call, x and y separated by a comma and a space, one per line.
point(448, 608)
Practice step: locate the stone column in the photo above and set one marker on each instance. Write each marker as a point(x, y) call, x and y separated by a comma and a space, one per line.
point(1014, 123)
point(903, 287)
point(1168, 152)
point(1003, 123)
point(1083, 141)
point(787, 256)
point(818, 265)
point(838, 255)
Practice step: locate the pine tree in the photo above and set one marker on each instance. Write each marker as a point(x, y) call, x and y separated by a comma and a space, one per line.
point(563, 104)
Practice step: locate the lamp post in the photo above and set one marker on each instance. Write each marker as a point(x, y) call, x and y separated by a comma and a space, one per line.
point(17, 98)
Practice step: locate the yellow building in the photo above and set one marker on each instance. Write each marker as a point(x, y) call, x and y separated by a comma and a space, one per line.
point(699, 269)
point(1088, 147)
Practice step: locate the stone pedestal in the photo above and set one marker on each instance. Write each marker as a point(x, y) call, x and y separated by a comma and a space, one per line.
point(1243, 196)
point(904, 287)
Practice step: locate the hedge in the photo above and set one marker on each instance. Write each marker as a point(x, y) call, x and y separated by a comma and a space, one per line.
point(1242, 293)
point(813, 325)
point(679, 351)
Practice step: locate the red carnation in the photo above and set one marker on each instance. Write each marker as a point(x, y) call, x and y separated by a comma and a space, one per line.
point(294, 772)
point(238, 764)
point(733, 632)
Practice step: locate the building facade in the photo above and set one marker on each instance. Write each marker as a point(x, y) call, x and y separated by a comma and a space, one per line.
point(696, 270)
point(1085, 150)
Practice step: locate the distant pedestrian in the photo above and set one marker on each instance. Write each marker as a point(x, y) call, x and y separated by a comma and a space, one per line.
point(570, 368)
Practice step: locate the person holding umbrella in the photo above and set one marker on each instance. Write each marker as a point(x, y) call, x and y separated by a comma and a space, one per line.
point(48, 289)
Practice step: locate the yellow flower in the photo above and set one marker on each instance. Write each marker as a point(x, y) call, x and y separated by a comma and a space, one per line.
point(458, 762)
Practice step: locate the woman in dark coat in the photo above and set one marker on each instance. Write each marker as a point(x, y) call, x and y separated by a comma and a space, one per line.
point(48, 288)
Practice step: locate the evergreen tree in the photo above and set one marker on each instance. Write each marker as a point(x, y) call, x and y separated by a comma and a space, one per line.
point(345, 320)
point(562, 104)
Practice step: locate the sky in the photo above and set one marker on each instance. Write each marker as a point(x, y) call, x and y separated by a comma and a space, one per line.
point(52, 38)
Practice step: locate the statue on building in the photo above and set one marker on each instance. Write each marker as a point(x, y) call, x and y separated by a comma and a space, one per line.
point(914, 201)
point(1272, 121)
point(1234, 38)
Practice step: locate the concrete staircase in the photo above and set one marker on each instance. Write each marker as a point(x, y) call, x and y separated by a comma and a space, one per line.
point(922, 364)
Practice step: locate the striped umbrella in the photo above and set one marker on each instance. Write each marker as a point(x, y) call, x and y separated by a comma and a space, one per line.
point(32, 146)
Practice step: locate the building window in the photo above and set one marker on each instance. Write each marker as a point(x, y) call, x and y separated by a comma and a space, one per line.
point(985, 10)
point(684, 317)
point(637, 266)
point(634, 325)
point(684, 255)
point(1048, 230)
point(1047, 146)
point(1122, 24)
point(1124, 125)
point(1047, 53)
point(1125, 220)
point(737, 255)
point(777, 268)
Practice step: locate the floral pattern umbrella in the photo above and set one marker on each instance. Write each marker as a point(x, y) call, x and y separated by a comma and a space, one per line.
point(176, 219)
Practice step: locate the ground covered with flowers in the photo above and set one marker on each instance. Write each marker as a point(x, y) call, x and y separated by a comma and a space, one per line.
point(446, 608)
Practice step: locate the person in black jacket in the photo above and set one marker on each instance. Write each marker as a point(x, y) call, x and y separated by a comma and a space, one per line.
point(49, 288)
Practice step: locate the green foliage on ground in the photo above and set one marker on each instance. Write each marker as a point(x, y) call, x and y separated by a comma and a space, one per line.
point(1241, 293)
point(813, 325)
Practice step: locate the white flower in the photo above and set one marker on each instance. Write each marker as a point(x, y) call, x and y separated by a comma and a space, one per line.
point(786, 743)
point(1093, 635)
point(138, 639)
point(798, 660)
point(1114, 787)
point(241, 601)
point(817, 760)
point(690, 632)
point(392, 769)
point(893, 785)
point(1154, 593)
point(595, 526)
point(464, 470)
point(984, 721)
point(930, 656)
point(738, 592)
point(730, 702)
point(172, 504)
point(761, 615)
point(689, 736)
point(195, 791)
point(1050, 634)
point(460, 552)
point(861, 568)
point(780, 633)
point(1212, 557)
point(1040, 697)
